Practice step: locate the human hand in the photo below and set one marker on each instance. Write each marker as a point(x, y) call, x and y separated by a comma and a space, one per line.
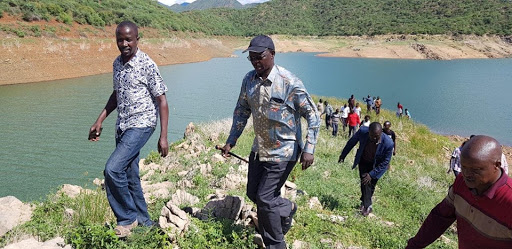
point(394, 152)
point(225, 150)
point(95, 132)
point(366, 179)
point(306, 159)
point(163, 146)
point(340, 159)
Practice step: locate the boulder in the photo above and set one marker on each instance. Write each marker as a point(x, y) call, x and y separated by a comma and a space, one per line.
point(228, 207)
point(13, 212)
point(32, 243)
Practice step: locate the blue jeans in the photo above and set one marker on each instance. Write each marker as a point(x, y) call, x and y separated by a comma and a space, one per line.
point(122, 181)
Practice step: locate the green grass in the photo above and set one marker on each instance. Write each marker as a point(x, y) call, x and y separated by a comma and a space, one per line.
point(403, 198)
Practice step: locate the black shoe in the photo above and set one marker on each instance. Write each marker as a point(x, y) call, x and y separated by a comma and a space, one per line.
point(286, 223)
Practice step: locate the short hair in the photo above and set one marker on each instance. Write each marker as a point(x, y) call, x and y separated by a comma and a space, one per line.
point(387, 122)
point(129, 24)
point(375, 126)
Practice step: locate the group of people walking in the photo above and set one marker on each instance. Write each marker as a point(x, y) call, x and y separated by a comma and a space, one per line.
point(277, 100)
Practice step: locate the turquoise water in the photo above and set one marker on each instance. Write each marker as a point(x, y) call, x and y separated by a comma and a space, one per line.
point(45, 125)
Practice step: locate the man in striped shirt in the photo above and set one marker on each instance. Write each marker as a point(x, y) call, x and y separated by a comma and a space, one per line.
point(480, 200)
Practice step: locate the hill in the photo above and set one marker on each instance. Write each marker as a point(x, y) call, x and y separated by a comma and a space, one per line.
point(206, 4)
point(305, 17)
point(327, 195)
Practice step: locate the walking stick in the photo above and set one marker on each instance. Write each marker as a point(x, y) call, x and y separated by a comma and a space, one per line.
point(231, 153)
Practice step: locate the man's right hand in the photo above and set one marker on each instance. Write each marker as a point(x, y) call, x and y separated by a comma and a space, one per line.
point(225, 150)
point(341, 160)
point(95, 132)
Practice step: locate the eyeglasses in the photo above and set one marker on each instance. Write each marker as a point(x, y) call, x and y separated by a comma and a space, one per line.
point(257, 57)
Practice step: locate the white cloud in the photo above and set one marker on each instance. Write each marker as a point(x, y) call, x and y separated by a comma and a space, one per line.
point(171, 2)
point(252, 1)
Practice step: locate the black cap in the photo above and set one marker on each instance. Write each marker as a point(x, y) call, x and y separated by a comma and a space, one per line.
point(260, 43)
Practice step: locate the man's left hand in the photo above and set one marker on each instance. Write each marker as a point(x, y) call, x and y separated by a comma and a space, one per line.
point(163, 147)
point(306, 159)
point(366, 179)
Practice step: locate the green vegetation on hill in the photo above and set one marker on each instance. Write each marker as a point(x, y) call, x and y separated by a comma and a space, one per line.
point(403, 198)
point(304, 17)
point(206, 4)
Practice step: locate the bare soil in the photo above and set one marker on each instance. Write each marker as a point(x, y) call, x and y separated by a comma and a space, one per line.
point(68, 51)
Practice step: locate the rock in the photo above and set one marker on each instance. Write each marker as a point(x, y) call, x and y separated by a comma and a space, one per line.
point(99, 182)
point(297, 244)
point(232, 181)
point(13, 212)
point(174, 220)
point(289, 190)
point(181, 197)
point(189, 130)
point(146, 176)
point(69, 213)
point(258, 240)
point(332, 218)
point(158, 190)
point(314, 203)
point(217, 158)
point(32, 243)
point(228, 207)
point(205, 169)
point(182, 173)
point(72, 191)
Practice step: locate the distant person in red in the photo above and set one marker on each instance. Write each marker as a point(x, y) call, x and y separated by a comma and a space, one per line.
point(353, 121)
point(479, 200)
point(400, 110)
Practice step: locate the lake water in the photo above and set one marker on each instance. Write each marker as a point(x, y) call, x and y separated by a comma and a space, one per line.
point(45, 125)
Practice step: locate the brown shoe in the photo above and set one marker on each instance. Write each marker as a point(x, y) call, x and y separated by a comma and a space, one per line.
point(126, 230)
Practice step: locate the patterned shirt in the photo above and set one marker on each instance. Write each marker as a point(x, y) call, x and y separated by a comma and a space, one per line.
point(137, 84)
point(276, 105)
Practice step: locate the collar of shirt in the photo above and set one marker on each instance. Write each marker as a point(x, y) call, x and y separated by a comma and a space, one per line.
point(495, 186)
point(271, 76)
point(132, 61)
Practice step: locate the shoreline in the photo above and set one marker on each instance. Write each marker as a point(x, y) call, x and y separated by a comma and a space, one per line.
point(33, 60)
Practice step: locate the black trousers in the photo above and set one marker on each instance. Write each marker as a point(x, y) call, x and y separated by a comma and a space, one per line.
point(368, 189)
point(264, 182)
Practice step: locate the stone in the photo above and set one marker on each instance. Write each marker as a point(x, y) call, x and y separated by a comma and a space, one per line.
point(157, 190)
point(189, 130)
point(72, 191)
point(69, 213)
point(181, 197)
point(297, 244)
point(314, 203)
point(174, 220)
point(232, 181)
point(13, 212)
point(332, 218)
point(99, 182)
point(289, 190)
point(228, 207)
point(32, 243)
point(218, 158)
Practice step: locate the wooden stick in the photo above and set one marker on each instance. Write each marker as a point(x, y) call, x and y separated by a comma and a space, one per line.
point(231, 153)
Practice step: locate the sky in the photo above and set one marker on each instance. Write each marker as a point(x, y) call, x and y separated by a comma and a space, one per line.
point(171, 2)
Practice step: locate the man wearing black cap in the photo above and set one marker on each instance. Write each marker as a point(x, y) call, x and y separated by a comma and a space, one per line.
point(276, 99)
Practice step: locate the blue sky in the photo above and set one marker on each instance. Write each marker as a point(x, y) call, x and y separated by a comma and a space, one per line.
point(171, 2)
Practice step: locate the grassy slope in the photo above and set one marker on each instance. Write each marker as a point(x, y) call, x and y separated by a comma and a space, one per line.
point(404, 196)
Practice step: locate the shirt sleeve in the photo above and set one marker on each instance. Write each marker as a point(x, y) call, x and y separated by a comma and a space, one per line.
point(307, 109)
point(240, 116)
point(154, 80)
point(439, 219)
